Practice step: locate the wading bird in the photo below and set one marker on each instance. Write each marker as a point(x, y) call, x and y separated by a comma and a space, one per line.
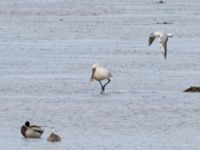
point(99, 73)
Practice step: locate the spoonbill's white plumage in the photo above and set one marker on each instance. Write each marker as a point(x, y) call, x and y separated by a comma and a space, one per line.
point(163, 38)
point(99, 73)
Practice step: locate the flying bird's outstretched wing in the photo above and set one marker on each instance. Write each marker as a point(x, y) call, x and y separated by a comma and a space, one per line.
point(151, 39)
point(163, 45)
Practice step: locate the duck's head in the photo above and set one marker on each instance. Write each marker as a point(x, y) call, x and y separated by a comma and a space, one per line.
point(27, 123)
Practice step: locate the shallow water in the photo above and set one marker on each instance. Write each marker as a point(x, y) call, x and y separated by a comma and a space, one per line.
point(48, 48)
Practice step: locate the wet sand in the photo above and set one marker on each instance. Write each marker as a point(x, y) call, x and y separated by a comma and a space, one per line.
point(47, 51)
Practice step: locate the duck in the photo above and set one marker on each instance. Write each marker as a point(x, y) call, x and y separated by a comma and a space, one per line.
point(99, 74)
point(53, 138)
point(31, 131)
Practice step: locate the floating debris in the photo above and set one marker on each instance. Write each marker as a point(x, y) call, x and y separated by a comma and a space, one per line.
point(61, 19)
point(165, 22)
point(160, 2)
point(193, 89)
point(53, 138)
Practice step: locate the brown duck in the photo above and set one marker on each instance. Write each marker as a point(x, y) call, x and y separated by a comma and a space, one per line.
point(31, 131)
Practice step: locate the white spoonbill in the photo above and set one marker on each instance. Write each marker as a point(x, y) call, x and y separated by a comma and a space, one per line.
point(99, 73)
point(163, 38)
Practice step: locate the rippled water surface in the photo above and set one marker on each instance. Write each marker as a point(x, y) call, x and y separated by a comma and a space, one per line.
point(47, 50)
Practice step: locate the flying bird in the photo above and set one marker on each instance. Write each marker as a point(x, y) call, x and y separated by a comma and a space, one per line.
point(99, 73)
point(163, 38)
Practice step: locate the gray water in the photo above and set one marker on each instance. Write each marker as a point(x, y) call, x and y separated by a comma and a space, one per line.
point(47, 51)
